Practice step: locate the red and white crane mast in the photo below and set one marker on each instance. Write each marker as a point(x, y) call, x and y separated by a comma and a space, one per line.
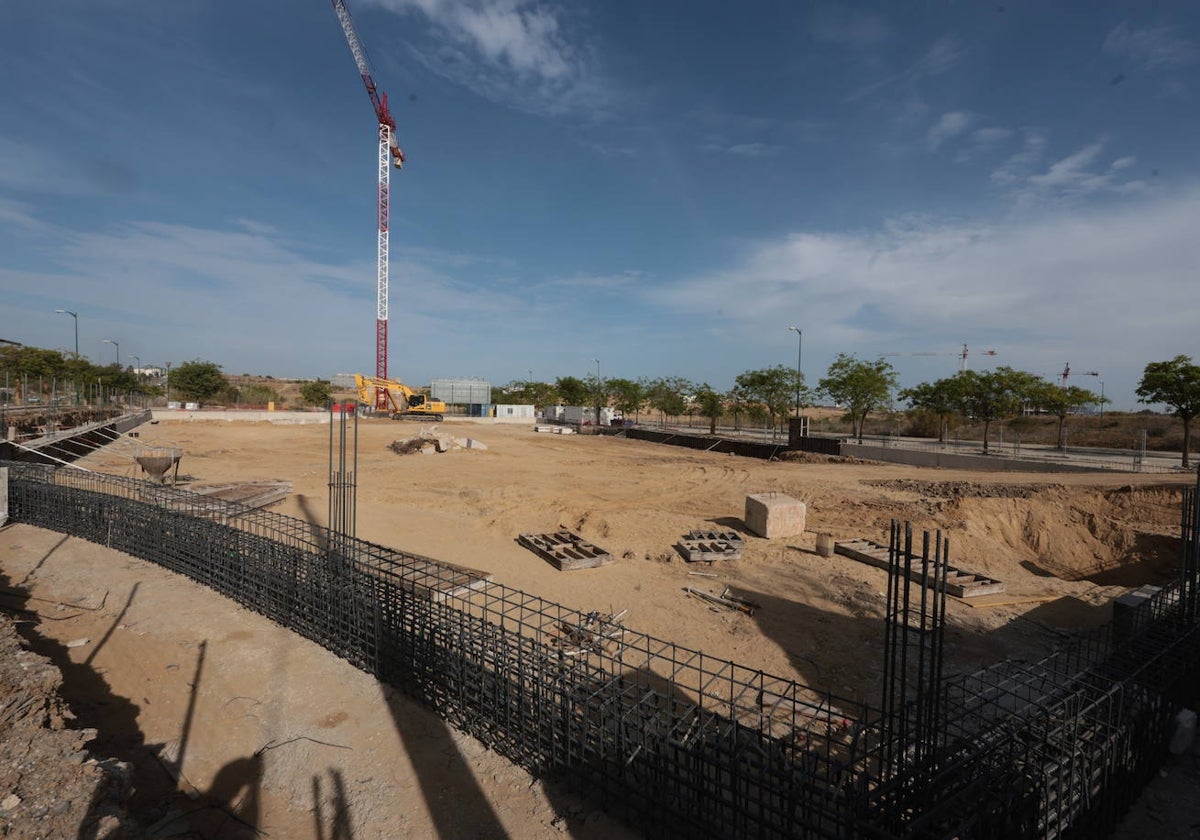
point(389, 150)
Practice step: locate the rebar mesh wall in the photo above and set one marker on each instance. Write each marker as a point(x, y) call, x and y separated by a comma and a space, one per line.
point(683, 743)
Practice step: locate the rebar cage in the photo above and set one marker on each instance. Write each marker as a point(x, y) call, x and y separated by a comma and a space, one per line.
point(678, 742)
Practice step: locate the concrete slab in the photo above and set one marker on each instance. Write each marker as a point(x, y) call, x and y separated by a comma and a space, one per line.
point(774, 515)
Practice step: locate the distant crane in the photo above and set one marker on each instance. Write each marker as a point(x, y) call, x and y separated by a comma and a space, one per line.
point(389, 150)
point(961, 356)
point(1066, 374)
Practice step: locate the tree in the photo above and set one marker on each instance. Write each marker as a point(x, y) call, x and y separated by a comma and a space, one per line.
point(198, 381)
point(666, 395)
point(627, 396)
point(711, 405)
point(773, 389)
point(571, 390)
point(317, 392)
point(598, 394)
point(996, 394)
point(1175, 383)
point(1062, 401)
point(861, 386)
point(941, 399)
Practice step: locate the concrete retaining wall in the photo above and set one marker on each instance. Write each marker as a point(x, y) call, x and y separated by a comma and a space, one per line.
point(185, 416)
point(955, 461)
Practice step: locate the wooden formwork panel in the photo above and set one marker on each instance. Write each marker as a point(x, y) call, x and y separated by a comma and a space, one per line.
point(959, 583)
point(566, 551)
point(707, 546)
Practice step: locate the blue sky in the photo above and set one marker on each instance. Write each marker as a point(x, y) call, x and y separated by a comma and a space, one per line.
point(665, 186)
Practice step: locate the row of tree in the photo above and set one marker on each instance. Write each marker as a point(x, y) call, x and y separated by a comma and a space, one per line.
point(44, 372)
point(863, 387)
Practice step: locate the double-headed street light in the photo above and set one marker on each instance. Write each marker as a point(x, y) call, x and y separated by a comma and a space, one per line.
point(74, 315)
point(116, 344)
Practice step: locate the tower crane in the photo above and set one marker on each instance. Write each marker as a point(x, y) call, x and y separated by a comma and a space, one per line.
point(389, 151)
point(961, 356)
point(1066, 374)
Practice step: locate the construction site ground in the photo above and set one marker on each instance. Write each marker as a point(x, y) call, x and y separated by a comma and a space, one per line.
point(259, 727)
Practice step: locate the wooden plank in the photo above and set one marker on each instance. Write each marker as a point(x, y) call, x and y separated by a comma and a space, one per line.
point(255, 494)
point(566, 551)
point(961, 584)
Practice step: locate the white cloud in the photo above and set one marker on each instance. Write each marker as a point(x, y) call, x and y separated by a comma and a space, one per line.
point(948, 126)
point(1080, 173)
point(21, 215)
point(990, 137)
point(748, 150)
point(1152, 47)
point(1045, 284)
point(517, 52)
point(256, 298)
point(1018, 166)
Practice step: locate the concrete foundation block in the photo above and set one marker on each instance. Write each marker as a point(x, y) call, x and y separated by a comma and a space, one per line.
point(773, 515)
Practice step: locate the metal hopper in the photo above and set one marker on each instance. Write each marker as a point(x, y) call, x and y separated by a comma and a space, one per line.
point(157, 461)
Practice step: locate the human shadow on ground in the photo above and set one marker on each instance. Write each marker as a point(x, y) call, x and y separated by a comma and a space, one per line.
point(339, 823)
point(318, 533)
point(457, 804)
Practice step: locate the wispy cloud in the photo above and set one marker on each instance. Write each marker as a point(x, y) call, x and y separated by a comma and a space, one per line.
point(1081, 173)
point(619, 282)
point(176, 283)
point(1020, 164)
point(1152, 47)
point(949, 125)
point(747, 150)
point(18, 214)
point(1046, 279)
point(941, 56)
point(520, 53)
point(849, 27)
point(983, 141)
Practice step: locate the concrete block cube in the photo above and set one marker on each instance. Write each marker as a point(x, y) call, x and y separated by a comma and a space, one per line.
point(773, 515)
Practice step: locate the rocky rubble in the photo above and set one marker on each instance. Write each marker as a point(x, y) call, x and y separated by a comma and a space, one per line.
point(49, 785)
point(429, 441)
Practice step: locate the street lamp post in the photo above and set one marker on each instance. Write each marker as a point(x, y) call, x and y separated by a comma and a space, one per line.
point(597, 361)
point(116, 344)
point(799, 360)
point(1101, 399)
point(168, 384)
point(74, 315)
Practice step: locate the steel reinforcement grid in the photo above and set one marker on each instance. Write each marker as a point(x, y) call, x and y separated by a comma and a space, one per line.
point(678, 742)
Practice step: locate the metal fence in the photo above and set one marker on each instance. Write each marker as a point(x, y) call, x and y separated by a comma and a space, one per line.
point(680, 742)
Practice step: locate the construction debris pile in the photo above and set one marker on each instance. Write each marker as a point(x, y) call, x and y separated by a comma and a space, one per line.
point(595, 633)
point(430, 440)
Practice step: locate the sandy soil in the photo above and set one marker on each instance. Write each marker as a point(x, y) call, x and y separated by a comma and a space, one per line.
point(1074, 541)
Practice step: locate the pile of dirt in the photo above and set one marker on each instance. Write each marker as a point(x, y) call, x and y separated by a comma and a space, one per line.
point(432, 441)
point(798, 457)
point(962, 489)
point(51, 787)
point(1121, 537)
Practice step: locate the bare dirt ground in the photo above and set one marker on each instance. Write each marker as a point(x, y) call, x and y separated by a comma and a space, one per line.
point(284, 736)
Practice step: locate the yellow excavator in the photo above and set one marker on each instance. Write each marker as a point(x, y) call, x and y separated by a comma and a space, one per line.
point(404, 402)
